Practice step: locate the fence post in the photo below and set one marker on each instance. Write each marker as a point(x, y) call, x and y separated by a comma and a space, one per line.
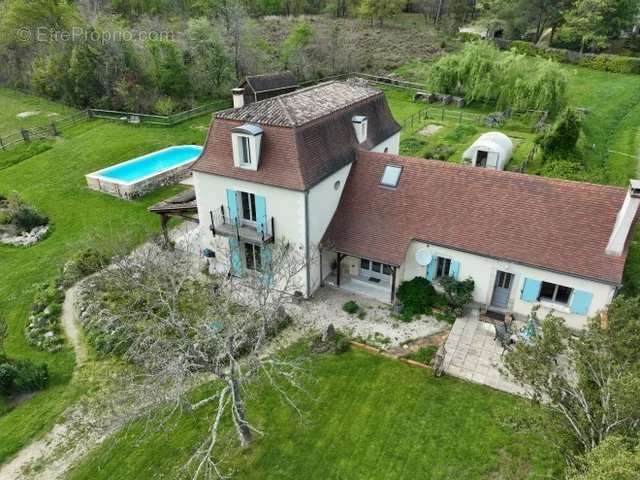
point(25, 134)
point(54, 130)
point(1, 144)
point(442, 114)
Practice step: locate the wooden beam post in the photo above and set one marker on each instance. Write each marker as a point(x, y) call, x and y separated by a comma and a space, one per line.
point(339, 268)
point(393, 284)
point(164, 220)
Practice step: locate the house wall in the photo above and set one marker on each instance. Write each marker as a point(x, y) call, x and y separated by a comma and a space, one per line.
point(483, 271)
point(286, 206)
point(323, 201)
point(392, 143)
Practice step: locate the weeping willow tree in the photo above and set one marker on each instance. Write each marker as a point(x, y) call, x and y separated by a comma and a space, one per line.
point(482, 73)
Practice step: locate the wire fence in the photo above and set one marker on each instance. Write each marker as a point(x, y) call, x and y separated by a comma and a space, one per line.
point(535, 118)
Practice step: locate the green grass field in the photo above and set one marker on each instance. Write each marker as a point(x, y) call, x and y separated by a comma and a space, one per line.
point(612, 121)
point(53, 181)
point(365, 417)
point(15, 103)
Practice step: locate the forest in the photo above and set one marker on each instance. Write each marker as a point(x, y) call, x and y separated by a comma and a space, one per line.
point(160, 56)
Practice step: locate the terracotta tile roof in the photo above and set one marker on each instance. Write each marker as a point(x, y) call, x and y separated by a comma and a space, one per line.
point(302, 106)
point(271, 81)
point(300, 157)
point(552, 224)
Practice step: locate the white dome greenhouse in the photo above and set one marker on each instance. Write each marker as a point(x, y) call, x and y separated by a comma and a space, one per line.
point(491, 150)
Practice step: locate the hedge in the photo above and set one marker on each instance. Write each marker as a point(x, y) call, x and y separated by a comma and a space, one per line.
point(595, 61)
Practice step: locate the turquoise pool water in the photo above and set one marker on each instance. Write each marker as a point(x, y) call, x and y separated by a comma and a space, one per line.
point(151, 164)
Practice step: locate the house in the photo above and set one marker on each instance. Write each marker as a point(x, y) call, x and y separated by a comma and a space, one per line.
point(490, 150)
point(320, 168)
point(260, 87)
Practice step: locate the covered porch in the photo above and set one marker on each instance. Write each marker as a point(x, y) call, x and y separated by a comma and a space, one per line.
point(363, 276)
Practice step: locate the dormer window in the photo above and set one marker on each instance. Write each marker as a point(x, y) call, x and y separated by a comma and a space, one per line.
point(246, 142)
point(391, 176)
point(360, 125)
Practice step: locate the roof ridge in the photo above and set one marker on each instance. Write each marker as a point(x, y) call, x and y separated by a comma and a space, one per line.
point(286, 110)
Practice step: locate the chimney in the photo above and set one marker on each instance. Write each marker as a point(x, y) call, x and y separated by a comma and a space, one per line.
point(360, 126)
point(238, 97)
point(624, 220)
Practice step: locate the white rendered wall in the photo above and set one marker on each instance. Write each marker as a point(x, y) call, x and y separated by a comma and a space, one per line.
point(483, 271)
point(392, 144)
point(286, 206)
point(323, 201)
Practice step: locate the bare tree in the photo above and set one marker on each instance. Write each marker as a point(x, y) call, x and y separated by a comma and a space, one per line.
point(181, 328)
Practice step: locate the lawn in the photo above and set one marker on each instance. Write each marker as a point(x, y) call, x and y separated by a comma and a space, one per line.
point(53, 181)
point(612, 121)
point(366, 417)
point(14, 103)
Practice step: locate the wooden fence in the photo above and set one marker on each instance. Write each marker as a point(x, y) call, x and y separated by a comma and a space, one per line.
point(54, 128)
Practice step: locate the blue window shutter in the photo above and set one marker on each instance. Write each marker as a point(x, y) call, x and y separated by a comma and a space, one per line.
point(431, 269)
point(236, 259)
point(530, 290)
point(261, 214)
point(265, 260)
point(580, 302)
point(454, 270)
point(232, 204)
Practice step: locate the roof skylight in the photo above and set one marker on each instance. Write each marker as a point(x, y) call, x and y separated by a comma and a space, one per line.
point(391, 176)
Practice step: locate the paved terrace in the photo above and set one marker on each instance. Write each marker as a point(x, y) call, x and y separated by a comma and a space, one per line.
point(472, 354)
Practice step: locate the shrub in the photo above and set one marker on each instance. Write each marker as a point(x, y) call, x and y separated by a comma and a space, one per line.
point(5, 218)
point(30, 376)
point(342, 344)
point(418, 297)
point(82, 264)
point(43, 327)
point(561, 139)
point(610, 63)
point(351, 307)
point(19, 376)
point(424, 354)
point(440, 152)
point(26, 218)
point(458, 293)
point(164, 106)
point(446, 316)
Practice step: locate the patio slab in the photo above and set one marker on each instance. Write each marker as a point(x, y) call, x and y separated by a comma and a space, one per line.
point(472, 354)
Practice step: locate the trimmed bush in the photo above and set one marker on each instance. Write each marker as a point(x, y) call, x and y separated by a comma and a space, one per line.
point(596, 61)
point(418, 297)
point(342, 344)
point(351, 307)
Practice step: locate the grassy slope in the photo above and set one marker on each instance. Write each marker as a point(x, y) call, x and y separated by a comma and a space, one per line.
point(14, 103)
point(366, 417)
point(53, 182)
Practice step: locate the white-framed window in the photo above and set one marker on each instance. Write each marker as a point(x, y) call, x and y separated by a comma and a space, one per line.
point(552, 292)
point(253, 257)
point(443, 267)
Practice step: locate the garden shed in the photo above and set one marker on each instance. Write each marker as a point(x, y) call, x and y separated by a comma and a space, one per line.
point(490, 150)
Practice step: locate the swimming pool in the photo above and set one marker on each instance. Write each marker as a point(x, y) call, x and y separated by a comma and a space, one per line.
point(140, 175)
